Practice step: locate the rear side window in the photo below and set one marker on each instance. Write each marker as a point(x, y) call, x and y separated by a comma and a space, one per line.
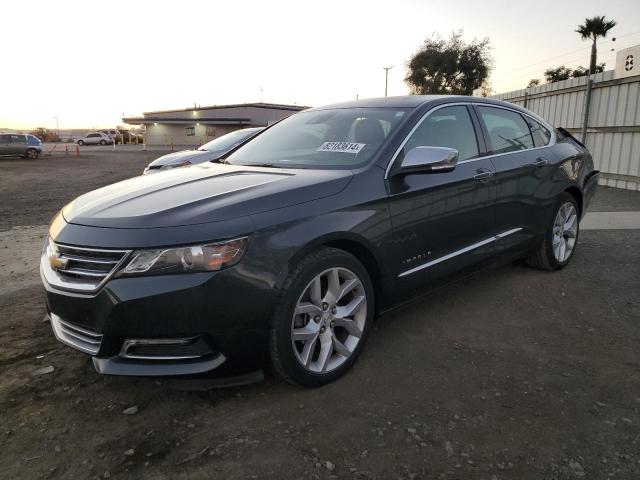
point(541, 135)
point(449, 127)
point(508, 132)
point(18, 139)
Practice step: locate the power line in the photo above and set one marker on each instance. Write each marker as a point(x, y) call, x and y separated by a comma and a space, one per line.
point(607, 56)
point(606, 42)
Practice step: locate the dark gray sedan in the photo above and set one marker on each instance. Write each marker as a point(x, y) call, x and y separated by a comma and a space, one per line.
point(284, 254)
point(212, 150)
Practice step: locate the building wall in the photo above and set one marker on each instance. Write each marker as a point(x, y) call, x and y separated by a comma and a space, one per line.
point(259, 116)
point(165, 134)
point(613, 133)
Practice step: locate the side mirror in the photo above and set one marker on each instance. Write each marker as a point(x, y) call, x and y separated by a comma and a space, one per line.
point(429, 160)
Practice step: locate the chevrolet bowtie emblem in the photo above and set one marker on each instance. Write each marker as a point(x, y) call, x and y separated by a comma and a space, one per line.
point(55, 261)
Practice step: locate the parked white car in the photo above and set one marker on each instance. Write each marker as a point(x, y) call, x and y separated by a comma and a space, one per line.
point(95, 138)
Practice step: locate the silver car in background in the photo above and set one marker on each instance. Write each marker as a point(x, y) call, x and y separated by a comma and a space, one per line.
point(95, 138)
point(20, 144)
point(213, 150)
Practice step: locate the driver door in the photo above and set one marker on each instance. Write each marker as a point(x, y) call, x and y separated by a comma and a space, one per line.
point(442, 221)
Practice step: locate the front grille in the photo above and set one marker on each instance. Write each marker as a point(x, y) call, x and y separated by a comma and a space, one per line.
point(79, 268)
point(80, 338)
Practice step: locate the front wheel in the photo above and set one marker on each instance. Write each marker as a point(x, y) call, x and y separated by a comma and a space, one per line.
point(322, 321)
point(103, 142)
point(80, 142)
point(32, 154)
point(561, 237)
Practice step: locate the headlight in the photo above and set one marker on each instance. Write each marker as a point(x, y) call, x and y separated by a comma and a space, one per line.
point(198, 258)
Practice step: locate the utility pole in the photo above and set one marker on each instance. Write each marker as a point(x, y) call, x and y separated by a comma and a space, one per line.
point(57, 128)
point(386, 78)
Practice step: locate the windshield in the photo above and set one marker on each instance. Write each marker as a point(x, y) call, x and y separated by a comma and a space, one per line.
point(227, 141)
point(340, 137)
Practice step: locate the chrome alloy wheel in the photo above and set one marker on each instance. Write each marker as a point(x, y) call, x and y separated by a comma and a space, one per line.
point(565, 231)
point(329, 320)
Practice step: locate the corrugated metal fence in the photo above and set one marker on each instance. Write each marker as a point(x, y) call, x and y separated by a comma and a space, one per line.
point(613, 132)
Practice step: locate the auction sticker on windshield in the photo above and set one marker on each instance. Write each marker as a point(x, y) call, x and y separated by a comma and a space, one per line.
point(342, 147)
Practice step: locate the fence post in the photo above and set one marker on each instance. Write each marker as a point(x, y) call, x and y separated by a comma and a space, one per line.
point(526, 98)
point(587, 105)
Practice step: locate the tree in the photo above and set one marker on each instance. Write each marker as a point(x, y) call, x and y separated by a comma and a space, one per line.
point(557, 74)
point(583, 71)
point(534, 82)
point(486, 89)
point(592, 29)
point(449, 66)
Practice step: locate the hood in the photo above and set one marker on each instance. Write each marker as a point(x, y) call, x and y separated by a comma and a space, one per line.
point(193, 156)
point(201, 194)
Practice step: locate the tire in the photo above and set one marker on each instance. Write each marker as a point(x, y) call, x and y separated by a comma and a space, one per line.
point(80, 142)
point(103, 142)
point(561, 237)
point(322, 330)
point(32, 154)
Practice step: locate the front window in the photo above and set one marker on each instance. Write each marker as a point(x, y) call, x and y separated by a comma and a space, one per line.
point(341, 137)
point(227, 141)
point(449, 127)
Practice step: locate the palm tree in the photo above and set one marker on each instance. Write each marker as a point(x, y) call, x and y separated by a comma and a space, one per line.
point(592, 29)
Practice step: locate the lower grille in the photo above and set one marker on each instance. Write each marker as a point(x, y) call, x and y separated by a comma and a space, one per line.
point(80, 338)
point(165, 348)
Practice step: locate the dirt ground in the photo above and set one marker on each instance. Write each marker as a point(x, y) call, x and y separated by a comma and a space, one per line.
point(513, 374)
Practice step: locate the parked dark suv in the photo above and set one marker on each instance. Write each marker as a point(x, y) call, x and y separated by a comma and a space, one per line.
point(284, 251)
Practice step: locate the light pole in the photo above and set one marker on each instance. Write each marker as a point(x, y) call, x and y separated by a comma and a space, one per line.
point(386, 78)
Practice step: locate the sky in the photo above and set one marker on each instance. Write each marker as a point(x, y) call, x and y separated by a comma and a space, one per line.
point(88, 63)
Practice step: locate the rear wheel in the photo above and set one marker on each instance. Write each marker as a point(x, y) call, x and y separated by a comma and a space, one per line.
point(32, 154)
point(561, 237)
point(324, 315)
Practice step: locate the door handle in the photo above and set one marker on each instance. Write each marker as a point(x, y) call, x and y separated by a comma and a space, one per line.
point(483, 174)
point(541, 162)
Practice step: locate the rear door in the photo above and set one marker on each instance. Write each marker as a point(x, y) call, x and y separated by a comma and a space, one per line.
point(442, 221)
point(4, 144)
point(17, 145)
point(518, 146)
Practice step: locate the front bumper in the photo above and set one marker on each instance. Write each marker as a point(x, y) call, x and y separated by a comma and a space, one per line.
point(169, 325)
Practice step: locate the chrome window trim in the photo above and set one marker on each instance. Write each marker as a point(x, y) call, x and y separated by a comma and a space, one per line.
point(459, 252)
point(552, 140)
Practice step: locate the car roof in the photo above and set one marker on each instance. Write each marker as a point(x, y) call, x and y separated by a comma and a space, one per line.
point(413, 101)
